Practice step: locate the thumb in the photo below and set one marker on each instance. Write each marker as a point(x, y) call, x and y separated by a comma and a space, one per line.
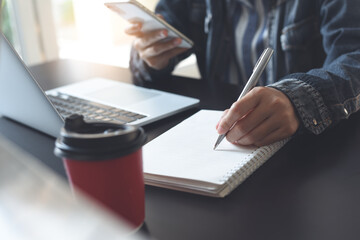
point(160, 16)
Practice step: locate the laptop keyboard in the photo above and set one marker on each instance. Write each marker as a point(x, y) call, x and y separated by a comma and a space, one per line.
point(67, 105)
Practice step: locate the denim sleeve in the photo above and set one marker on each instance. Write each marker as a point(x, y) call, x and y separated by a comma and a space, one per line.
point(174, 12)
point(322, 97)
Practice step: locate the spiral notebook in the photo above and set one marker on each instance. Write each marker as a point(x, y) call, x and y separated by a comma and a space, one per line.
point(183, 158)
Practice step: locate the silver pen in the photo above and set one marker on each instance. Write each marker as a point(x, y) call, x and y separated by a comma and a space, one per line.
point(254, 78)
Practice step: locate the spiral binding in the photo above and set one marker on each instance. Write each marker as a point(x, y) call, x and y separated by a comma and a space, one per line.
point(254, 160)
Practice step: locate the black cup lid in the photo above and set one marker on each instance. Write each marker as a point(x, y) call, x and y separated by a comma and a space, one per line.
point(80, 140)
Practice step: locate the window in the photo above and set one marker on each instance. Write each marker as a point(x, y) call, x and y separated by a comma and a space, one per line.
point(30, 29)
point(87, 30)
point(7, 20)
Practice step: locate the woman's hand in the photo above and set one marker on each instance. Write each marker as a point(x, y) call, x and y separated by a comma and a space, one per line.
point(151, 46)
point(263, 116)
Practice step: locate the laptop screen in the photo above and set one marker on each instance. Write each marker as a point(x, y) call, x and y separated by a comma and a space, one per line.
point(21, 98)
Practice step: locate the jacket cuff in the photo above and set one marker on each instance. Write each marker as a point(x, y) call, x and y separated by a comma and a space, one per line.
point(308, 103)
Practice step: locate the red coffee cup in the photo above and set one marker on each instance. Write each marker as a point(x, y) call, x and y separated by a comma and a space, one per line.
point(104, 160)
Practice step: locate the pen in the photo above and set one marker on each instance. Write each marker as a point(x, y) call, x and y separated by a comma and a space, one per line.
point(254, 78)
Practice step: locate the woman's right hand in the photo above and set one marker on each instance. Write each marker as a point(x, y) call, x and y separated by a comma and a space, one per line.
point(155, 52)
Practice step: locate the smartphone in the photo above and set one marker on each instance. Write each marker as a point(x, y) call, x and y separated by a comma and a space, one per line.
point(132, 11)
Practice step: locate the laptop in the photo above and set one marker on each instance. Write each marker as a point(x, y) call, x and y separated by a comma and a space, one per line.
point(98, 99)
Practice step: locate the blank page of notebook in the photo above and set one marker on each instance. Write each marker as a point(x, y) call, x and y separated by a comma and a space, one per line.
point(186, 151)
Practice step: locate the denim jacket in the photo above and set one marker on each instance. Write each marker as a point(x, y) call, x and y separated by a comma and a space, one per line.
point(316, 61)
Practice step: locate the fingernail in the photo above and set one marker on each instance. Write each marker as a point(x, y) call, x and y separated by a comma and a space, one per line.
point(177, 41)
point(163, 34)
point(137, 25)
point(239, 142)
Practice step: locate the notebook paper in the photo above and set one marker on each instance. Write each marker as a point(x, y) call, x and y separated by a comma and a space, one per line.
point(183, 158)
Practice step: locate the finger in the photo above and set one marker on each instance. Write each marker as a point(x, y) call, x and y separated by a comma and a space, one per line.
point(134, 29)
point(273, 137)
point(159, 48)
point(284, 130)
point(174, 52)
point(160, 16)
point(222, 116)
point(149, 39)
point(268, 126)
point(239, 109)
point(250, 121)
point(162, 60)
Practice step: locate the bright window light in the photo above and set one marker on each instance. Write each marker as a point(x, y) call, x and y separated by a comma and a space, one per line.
point(87, 30)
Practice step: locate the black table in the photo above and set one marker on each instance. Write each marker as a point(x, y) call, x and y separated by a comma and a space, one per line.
point(310, 189)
